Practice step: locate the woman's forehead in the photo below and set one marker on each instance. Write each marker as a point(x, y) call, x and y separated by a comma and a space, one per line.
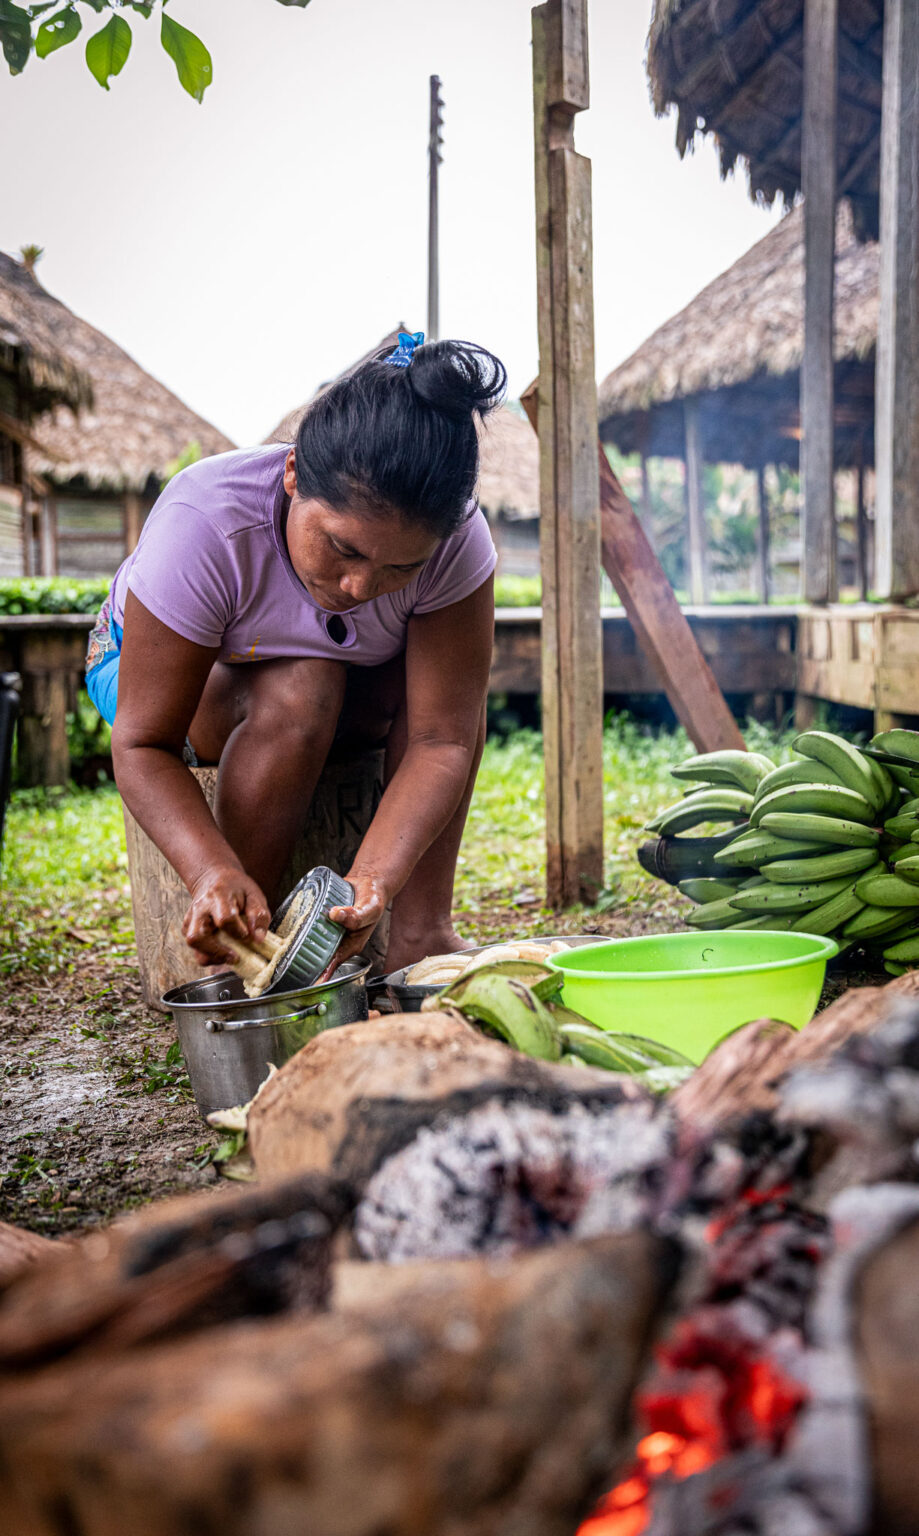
point(386, 538)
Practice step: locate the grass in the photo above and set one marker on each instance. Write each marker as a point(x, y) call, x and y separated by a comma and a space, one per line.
point(65, 879)
point(504, 847)
point(65, 867)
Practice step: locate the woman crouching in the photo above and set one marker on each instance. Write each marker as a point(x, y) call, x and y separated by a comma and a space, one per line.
point(283, 596)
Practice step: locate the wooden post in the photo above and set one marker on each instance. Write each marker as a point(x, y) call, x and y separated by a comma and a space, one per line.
point(695, 506)
point(133, 521)
point(762, 534)
point(647, 515)
point(819, 182)
point(435, 140)
point(572, 675)
point(47, 540)
point(44, 754)
point(861, 524)
point(897, 395)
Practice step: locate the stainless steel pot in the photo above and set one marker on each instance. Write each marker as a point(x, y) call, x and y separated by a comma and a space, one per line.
point(393, 994)
point(229, 1040)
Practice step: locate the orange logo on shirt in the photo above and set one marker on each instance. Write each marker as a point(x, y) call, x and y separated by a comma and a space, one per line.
point(250, 654)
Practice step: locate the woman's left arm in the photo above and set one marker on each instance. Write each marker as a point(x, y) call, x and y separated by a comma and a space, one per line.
point(447, 663)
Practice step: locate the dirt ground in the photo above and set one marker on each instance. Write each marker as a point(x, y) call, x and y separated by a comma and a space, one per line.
point(94, 1100)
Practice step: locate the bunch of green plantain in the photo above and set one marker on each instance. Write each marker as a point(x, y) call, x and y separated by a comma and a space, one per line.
point(519, 1002)
point(827, 843)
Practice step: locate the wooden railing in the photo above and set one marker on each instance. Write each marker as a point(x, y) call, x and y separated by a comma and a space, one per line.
point(751, 651)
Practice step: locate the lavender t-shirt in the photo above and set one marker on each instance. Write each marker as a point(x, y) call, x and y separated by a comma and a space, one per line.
point(212, 564)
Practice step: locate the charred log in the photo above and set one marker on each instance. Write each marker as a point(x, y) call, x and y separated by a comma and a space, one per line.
point(190, 1264)
point(20, 1249)
point(464, 1398)
point(742, 1073)
point(456, 1144)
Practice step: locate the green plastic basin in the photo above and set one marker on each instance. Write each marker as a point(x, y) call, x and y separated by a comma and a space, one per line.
point(688, 990)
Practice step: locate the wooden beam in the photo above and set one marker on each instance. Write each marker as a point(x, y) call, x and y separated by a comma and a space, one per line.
point(647, 511)
point(762, 535)
point(897, 397)
point(47, 523)
point(861, 524)
point(572, 689)
point(818, 147)
point(660, 625)
point(133, 521)
point(695, 505)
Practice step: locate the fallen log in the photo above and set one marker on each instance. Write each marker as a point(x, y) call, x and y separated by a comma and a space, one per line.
point(887, 1339)
point(464, 1398)
point(20, 1249)
point(740, 1075)
point(455, 1144)
point(183, 1265)
point(354, 1096)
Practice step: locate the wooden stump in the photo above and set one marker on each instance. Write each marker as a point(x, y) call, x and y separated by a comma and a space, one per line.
point(346, 798)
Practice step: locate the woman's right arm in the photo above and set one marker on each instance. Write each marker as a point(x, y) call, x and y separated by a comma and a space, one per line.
point(161, 678)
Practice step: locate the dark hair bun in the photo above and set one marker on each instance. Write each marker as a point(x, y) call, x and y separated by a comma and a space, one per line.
point(457, 378)
point(384, 438)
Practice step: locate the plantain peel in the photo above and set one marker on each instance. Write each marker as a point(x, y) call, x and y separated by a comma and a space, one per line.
point(508, 1007)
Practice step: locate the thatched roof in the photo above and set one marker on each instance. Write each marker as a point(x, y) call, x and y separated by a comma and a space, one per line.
point(738, 347)
point(508, 465)
point(134, 426)
point(509, 453)
point(733, 68)
point(30, 346)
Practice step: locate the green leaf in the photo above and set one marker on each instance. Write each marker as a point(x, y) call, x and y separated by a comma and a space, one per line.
point(15, 36)
point(143, 7)
point(39, 10)
point(98, 5)
point(191, 58)
point(302, 3)
point(108, 49)
point(57, 31)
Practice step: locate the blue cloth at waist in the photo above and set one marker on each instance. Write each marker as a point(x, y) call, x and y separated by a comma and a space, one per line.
point(102, 678)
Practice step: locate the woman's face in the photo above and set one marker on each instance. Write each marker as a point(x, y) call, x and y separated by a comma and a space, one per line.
point(347, 558)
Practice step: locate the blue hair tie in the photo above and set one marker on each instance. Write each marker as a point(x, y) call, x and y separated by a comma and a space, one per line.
point(406, 349)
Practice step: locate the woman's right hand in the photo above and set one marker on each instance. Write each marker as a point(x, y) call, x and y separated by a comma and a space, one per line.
point(224, 897)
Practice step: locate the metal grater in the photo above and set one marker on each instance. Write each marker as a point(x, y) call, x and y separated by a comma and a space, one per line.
point(318, 938)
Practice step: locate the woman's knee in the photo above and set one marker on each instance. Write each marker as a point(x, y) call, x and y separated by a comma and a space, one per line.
point(373, 698)
point(302, 695)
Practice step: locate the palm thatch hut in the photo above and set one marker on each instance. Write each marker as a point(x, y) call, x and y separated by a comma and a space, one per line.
point(736, 350)
point(821, 99)
point(99, 453)
point(726, 371)
point(35, 375)
point(736, 71)
point(508, 488)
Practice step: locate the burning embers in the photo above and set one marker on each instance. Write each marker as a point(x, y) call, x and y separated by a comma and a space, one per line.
point(752, 1413)
point(721, 1385)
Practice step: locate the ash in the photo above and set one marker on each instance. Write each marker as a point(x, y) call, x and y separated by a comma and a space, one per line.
point(510, 1176)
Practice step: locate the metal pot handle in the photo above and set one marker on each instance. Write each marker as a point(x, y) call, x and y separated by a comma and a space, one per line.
point(225, 1026)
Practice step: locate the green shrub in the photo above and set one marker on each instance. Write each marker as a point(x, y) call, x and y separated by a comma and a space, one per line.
point(518, 591)
point(52, 594)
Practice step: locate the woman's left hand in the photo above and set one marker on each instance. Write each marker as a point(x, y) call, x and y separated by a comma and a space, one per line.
point(359, 920)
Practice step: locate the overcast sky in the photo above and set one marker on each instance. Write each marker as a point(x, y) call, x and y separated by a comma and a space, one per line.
point(247, 248)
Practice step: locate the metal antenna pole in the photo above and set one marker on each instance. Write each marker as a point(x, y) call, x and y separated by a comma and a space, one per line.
point(435, 142)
